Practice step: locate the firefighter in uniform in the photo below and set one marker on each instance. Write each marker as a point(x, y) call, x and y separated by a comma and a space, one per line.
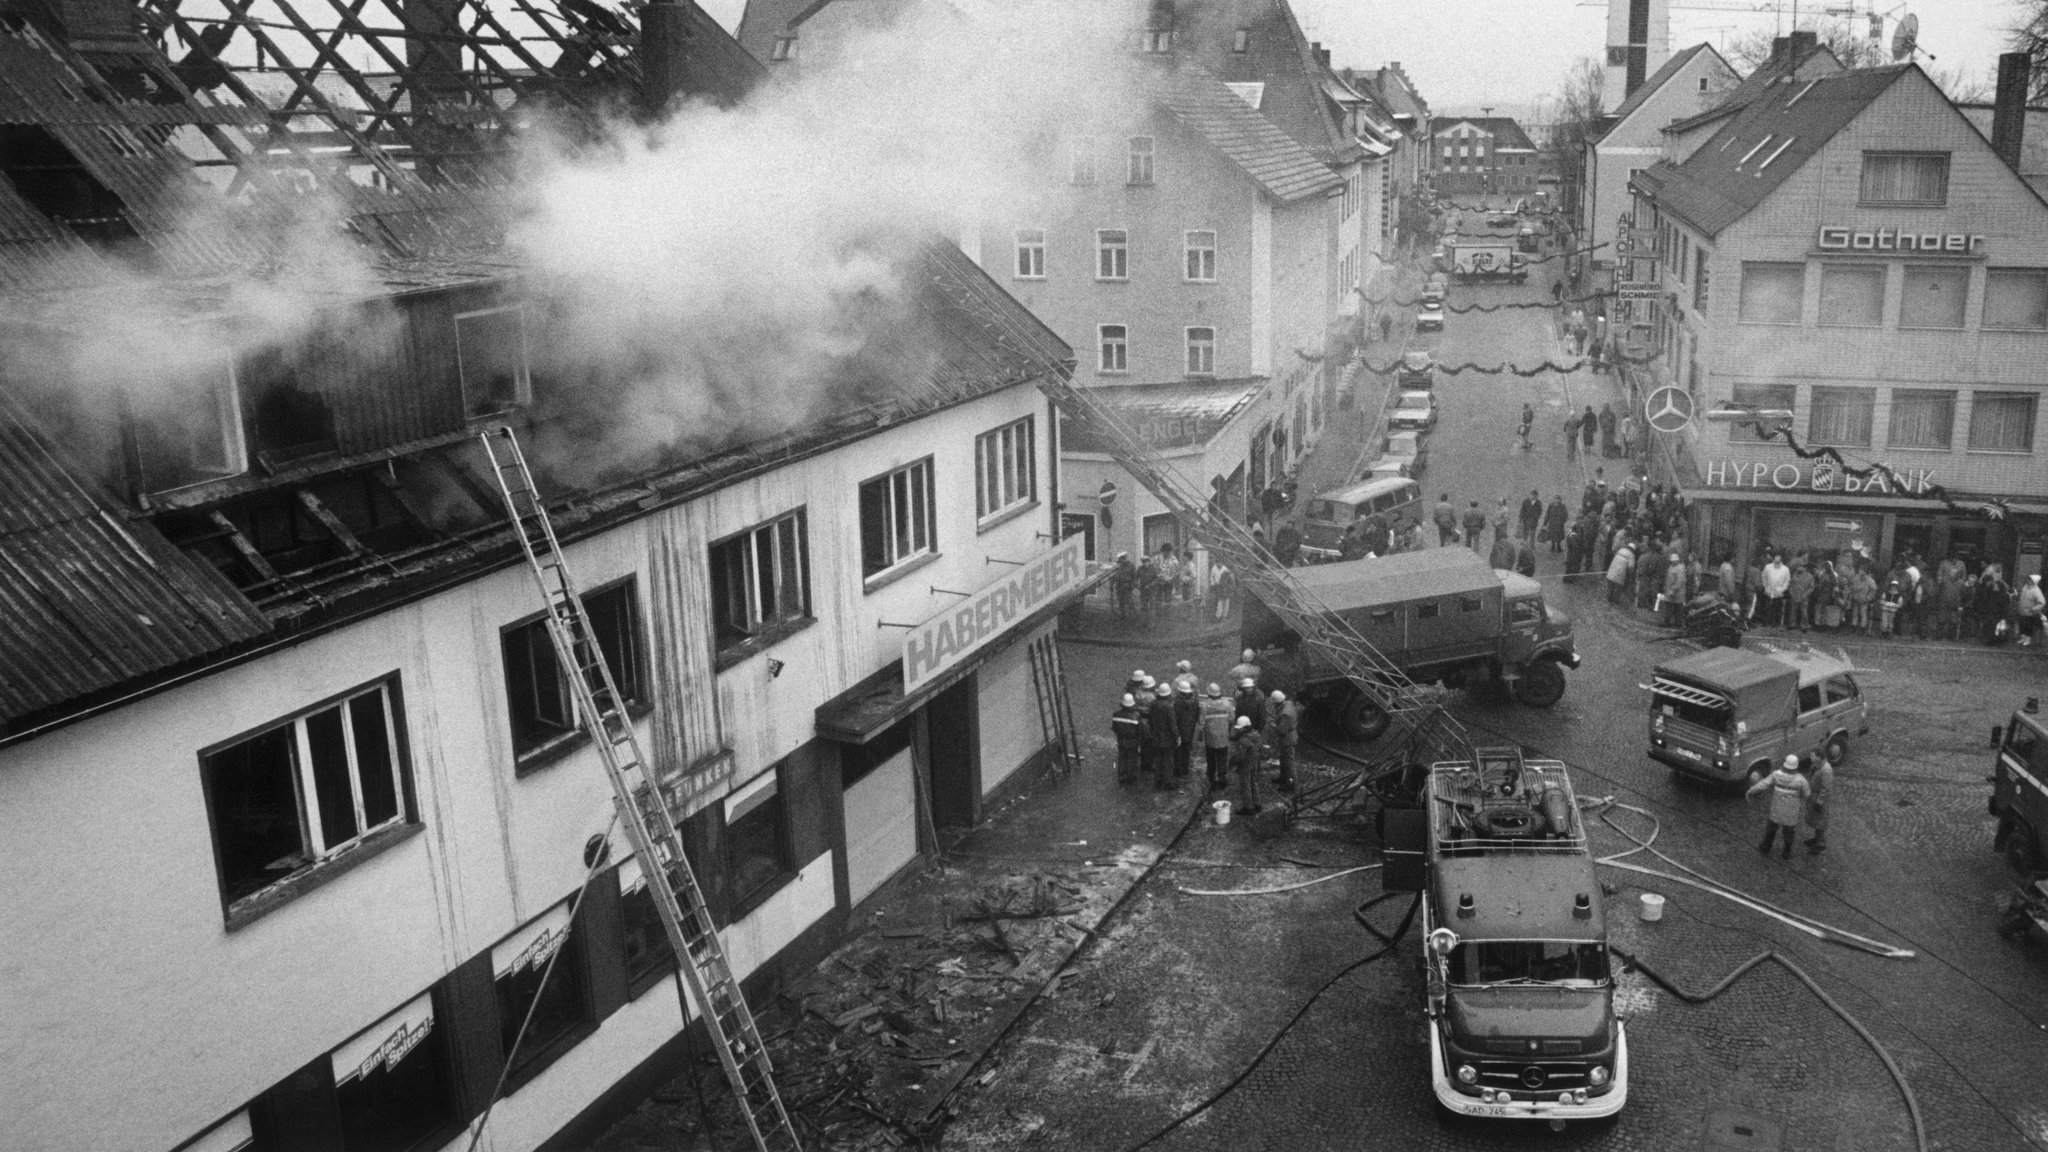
point(1283, 716)
point(1128, 724)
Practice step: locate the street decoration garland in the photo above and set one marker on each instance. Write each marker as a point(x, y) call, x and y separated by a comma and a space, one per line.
point(1547, 365)
point(1989, 507)
point(1405, 302)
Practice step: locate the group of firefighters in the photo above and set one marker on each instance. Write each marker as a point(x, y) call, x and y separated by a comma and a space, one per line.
point(1160, 722)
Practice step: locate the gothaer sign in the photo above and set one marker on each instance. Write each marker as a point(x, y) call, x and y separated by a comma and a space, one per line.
point(952, 635)
point(1818, 476)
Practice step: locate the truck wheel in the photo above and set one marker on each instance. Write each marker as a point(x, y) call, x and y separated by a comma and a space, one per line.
point(2003, 836)
point(2019, 852)
point(1724, 636)
point(1838, 748)
point(1361, 720)
point(1541, 685)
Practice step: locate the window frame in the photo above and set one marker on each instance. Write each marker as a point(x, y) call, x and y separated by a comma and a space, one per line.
point(1977, 399)
point(1742, 294)
point(224, 404)
point(1198, 257)
point(1993, 275)
point(324, 862)
point(1141, 157)
point(1030, 254)
point(441, 1036)
point(1892, 422)
point(1205, 349)
point(906, 522)
point(1852, 269)
point(749, 798)
point(1832, 394)
point(1122, 345)
point(633, 695)
point(1962, 310)
point(1011, 470)
point(1113, 252)
point(522, 382)
point(782, 50)
point(731, 643)
point(539, 1056)
point(657, 961)
point(1744, 431)
point(1863, 199)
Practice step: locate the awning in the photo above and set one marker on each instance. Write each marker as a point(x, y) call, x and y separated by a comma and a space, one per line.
point(877, 703)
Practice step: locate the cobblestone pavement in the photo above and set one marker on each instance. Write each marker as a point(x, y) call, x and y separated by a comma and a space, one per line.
point(1182, 991)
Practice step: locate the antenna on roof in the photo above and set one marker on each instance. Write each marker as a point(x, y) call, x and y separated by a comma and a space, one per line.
point(1906, 39)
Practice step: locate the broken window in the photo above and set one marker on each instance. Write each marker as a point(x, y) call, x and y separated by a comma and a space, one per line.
point(560, 1009)
point(648, 953)
point(760, 579)
point(49, 176)
point(490, 350)
point(291, 421)
point(537, 695)
point(305, 791)
point(190, 432)
point(756, 848)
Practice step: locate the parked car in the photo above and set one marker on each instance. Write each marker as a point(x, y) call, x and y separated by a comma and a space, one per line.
point(1417, 371)
point(1416, 410)
point(1435, 287)
point(1430, 318)
point(1502, 220)
point(1403, 454)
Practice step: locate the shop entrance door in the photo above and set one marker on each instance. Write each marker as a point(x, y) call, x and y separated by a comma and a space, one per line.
point(953, 746)
point(1915, 535)
point(880, 808)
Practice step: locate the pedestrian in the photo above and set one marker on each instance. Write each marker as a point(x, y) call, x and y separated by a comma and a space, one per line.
point(1554, 518)
point(1124, 581)
point(1571, 436)
point(1589, 427)
point(1674, 599)
point(1822, 786)
point(1827, 596)
point(1619, 569)
point(1502, 554)
point(1127, 723)
point(1862, 595)
point(1799, 598)
point(1650, 568)
point(1284, 718)
point(1187, 575)
point(1502, 514)
point(1247, 748)
point(1217, 715)
point(1148, 586)
point(1525, 559)
point(1888, 606)
point(1994, 603)
point(1777, 582)
point(1628, 435)
point(1528, 420)
point(1187, 728)
point(1246, 668)
point(1162, 737)
point(1169, 575)
point(1789, 792)
point(1473, 523)
point(1446, 517)
point(2032, 603)
point(1250, 704)
point(1222, 583)
point(1531, 516)
point(1608, 448)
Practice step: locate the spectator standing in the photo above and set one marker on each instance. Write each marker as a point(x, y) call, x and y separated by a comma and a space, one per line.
point(1502, 555)
point(1589, 427)
point(1888, 606)
point(1218, 714)
point(1554, 517)
point(1619, 569)
point(1777, 582)
point(1187, 575)
point(1473, 522)
point(1994, 603)
point(1446, 517)
point(1789, 792)
point(2032, 603)
point(1530, 516)
point(1650, 568)
point(1674, 591)
point(1525, 559)
point(1124, 582)
point(1948, 606)
point(1571, 436)
point(1862, 595)
point(1607, 444)
point(1528, 422)
point(1222, 583)
point(1502, 514)
point(1169, 575)
point(1799, 598)
point(1148, 586)
point(1628, 435)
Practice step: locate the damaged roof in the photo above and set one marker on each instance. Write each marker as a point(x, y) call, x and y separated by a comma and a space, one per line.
point(1183, 414)
point(91, 598)
point(1272, 158)
point(1765, 142)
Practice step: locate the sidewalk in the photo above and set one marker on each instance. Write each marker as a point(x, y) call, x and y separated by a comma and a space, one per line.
point(942, 962)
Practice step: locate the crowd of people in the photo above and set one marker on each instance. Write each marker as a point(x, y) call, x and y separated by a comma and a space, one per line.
point(1848, 592)
point(1159, 723)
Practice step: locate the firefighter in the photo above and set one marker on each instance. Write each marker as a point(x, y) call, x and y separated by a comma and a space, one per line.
point(1127, 723)
point(1789, 795)
point(1162, 736)
point(1187, 724)
point(1247, 748)
point(1217, 714)
point(1184, 678)
point(1823, 784)
point(1249, 704)
point(1247, 667)
point(1284, 717)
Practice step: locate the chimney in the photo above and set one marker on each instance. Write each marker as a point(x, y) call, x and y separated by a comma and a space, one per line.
point(1803, 41)
point(1322, 53)
point(1778, 46)
point(2009, 110)
point(664, 54)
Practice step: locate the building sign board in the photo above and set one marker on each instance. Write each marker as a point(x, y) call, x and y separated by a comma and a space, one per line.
point(1818, 476)
point(953, 635)
point(1834, 238)
point(697, 785)
point(1637, 289)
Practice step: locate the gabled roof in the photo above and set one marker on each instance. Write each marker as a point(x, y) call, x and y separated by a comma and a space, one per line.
point(1657, 80)
point(1764, 143)
point(90, 598)
point(1395, 93)
point(1183, 414)
point(1277, 162)
point(1505, 131)
point(2033, 144)
point(1798, 61)
point(1278, 54)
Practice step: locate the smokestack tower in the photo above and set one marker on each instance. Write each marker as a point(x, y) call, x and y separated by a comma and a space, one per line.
point(1638, 43)
point(2009, 107)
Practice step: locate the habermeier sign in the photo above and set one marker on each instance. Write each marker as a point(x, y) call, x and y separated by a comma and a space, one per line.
point(1819, 476)
point(1838, 239)
point(953, 635)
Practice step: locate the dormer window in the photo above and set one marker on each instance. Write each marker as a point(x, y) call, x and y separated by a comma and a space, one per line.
point(490, 353)
point(1241, 40)
point(191, 433)
point(784, 49)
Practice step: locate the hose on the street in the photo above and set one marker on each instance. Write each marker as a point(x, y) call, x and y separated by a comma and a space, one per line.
point(1387, 943)
point(1898, 1077)
point(1274, 891)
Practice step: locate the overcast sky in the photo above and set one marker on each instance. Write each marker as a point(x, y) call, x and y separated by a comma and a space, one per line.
point(1468, 53)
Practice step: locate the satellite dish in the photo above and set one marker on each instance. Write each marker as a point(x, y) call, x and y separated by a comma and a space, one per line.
point(1906, 37)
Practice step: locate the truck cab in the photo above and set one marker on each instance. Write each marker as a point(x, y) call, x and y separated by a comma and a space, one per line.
point(1518, 983)
point(2019, 794)
point(1728, 714)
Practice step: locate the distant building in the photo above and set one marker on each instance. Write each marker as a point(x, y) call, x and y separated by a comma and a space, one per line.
point(1484, 156)
point(1687, 84)
point(1638, 43)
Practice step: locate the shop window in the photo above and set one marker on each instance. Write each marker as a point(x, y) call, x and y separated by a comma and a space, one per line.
point(1933, 297)
point(898, 518)
point(1922, 418)
point(2016, 298)
point(1772, 293)
point(1841, 416)
point(556, 999)
point(2002, 421)
point(1031, 254)
point(756, 841)
point(1919, 178)
point(305, 791)
point(490, 354)
point(760, 581)
point(234, 1134)
point(1005, 468)
point(648, 953)
point(392, 1086)
point(538, 698)
point(1764, 397)
point(192, 432)
point(1852, 295)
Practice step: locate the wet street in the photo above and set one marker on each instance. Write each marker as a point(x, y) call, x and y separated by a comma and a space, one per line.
point(1244, 1021)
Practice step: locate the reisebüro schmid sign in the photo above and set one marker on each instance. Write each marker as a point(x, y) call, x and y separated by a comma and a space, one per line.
point(951, 636)
point(1834, 239)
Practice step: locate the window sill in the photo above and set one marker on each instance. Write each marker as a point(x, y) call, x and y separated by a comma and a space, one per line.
point(888, 576)
point(753, 646)
point(1879, 327)
point(1041, 276)
point(1112, 371)
point(1769, 323)
point(257, 905)
point(997, 519)
point(1932, 328)
point(1943, 203)
point(1944, 449)
point(1999, 451)
point(2004, 328)
point(542, 755)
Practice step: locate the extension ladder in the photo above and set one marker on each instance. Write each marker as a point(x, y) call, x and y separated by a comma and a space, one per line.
point(1425, 732)
point(649, 824)
point(1055, 715)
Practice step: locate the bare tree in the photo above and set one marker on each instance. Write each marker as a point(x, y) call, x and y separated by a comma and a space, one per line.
point(2031, 36)
point(1579, 122)
point(1846, 40)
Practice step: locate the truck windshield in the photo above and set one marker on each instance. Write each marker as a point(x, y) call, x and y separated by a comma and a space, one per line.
point(1710, 717)
point(1567, 963)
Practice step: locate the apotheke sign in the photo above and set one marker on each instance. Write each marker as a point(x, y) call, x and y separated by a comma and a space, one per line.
point(1820, 476)
point(1835, 239)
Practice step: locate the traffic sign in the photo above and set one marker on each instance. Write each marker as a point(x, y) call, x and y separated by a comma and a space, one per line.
point(1843, 525)
point(1668, 409)
point(1107, 493)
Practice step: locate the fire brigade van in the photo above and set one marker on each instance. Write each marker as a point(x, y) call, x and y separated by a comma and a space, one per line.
point(2019, 795)
point(1728, 714)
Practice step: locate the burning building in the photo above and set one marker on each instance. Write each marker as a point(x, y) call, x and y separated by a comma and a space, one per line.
point(296, 805)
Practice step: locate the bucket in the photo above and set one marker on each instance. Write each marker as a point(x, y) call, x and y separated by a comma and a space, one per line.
point(1222, 808)
point(1653, 907)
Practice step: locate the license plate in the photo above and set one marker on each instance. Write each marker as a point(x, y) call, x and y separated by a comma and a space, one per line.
point(1492, 1110)
point(1688, 753)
